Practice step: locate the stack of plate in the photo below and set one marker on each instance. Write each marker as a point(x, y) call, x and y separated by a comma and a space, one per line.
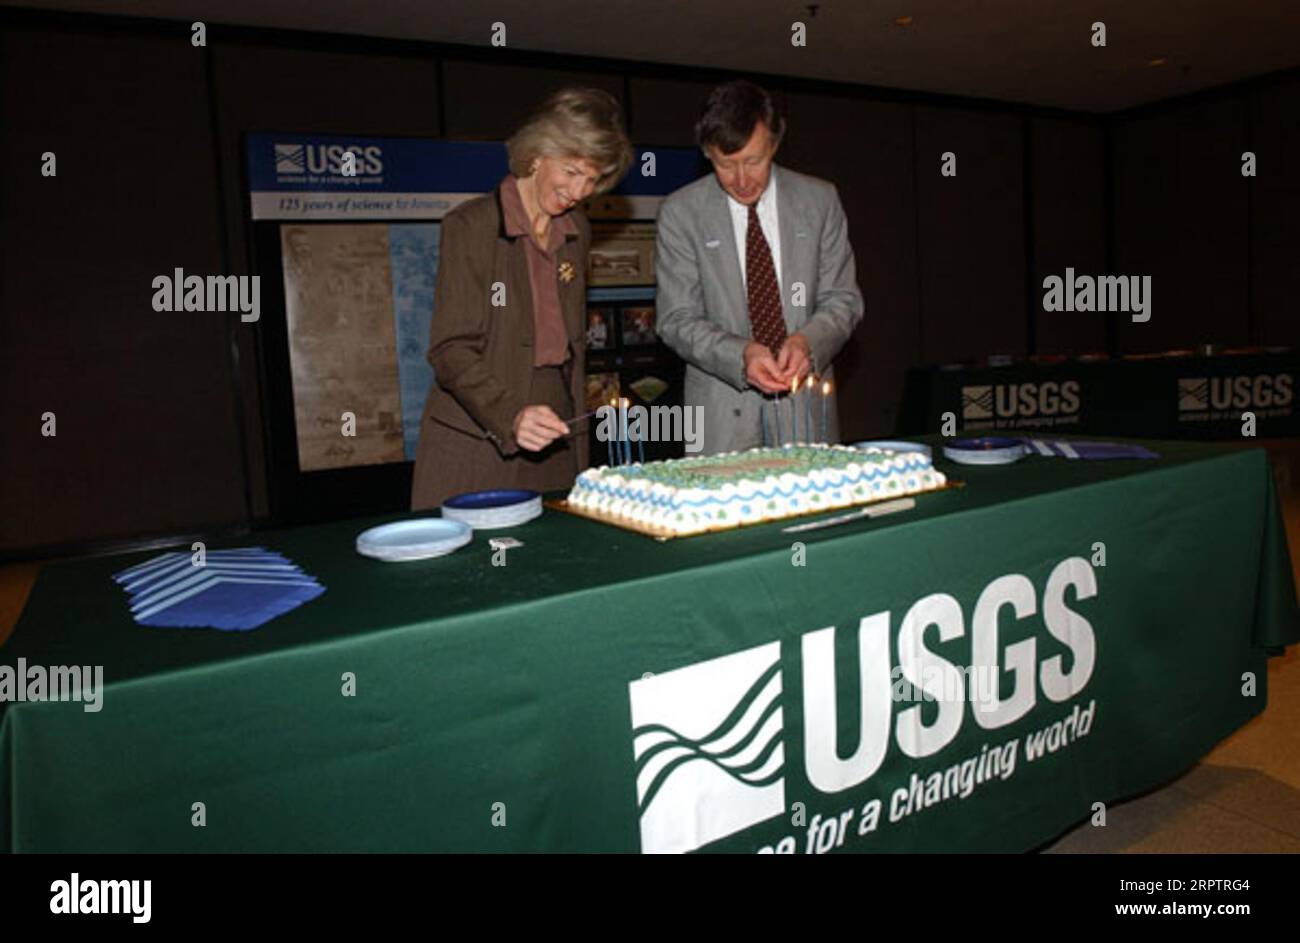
point(986, 450)
point(413, 540)
point(488, 510)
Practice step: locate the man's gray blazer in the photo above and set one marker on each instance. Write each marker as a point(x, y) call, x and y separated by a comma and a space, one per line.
point(703, 311)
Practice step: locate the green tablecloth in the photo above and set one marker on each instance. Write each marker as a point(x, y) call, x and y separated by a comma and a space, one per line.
point(514, 707)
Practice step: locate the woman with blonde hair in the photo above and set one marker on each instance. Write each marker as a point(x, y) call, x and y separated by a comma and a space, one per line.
point(509, 322)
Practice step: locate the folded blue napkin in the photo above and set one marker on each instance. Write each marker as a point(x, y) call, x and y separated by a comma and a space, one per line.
point(1087, 450)
point(234, 590)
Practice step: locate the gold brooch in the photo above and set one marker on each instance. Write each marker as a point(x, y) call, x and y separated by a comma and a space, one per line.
point(567, 272)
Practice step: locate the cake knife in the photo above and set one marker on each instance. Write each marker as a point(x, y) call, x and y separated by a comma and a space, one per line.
point(872, 510)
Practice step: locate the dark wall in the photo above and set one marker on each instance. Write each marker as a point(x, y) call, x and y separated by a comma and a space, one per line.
point(488, 100)
point(1067, 183)
point(971, 234)
point(144, 402)
point(1275, 205)
point(1181, 217)
point(660, 111)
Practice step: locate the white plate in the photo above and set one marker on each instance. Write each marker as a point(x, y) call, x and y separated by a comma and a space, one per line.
point(413, 540)
point(991, 456)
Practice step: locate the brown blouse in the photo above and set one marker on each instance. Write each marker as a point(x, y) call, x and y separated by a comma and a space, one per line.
point(551, 345)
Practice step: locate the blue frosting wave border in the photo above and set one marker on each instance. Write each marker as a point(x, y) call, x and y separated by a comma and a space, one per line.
point(670, 503)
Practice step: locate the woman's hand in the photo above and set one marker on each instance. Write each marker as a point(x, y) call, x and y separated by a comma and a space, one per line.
point(536, 427)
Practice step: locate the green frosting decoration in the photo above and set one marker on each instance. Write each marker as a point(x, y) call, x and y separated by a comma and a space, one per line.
point(710, 471)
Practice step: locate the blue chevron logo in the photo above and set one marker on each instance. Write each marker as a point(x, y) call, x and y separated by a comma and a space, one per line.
point(238, 589)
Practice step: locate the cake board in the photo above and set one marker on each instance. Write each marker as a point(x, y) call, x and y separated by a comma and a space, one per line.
point(662, 534)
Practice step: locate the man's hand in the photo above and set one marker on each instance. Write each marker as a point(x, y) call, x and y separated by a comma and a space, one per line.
point(761, 369)
point(794, 361)
point(536, 427)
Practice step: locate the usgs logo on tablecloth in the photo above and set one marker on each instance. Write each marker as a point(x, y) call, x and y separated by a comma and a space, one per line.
point(1199, 396)
point(708, 739)
point(1000, 405)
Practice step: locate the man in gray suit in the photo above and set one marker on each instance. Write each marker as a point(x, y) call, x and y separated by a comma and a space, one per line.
point(756, 281)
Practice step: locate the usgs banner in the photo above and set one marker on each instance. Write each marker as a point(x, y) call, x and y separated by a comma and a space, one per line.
point(1220, 397)
point(1037, 403)
point(333, 177)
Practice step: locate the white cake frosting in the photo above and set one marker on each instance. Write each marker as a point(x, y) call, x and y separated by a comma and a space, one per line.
point(715, 492)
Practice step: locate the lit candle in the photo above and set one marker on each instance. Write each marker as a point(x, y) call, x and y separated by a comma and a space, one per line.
point(762, 420)
point(826, 394)
point(794, 411)
point(807, 409)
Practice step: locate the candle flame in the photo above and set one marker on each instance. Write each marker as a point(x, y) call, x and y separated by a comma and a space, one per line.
point(810, 381)
point(794, 386)
point(826, 388)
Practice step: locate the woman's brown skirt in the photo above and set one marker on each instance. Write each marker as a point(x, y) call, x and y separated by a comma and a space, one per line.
point(464, 462)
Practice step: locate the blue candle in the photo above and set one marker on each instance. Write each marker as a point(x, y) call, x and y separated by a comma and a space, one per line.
point(807, 409)
point(625, 452)
point(609, 436)
point(794, 411)
point(826, 394)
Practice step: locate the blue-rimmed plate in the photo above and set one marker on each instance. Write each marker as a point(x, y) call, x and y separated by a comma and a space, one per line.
point(985, 450)
point(894, 445)
point(487, 510)
point(413, 540)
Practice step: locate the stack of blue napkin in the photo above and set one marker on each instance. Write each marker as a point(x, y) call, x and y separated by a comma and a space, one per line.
point(1087, 450)
point(233, 590)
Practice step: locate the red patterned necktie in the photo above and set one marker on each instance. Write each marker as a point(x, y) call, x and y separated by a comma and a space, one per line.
point(760, 282)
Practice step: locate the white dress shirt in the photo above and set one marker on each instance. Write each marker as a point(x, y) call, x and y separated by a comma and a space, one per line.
point(767, 220)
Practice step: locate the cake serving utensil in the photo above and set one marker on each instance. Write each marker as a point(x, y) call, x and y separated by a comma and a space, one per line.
point(872, 510)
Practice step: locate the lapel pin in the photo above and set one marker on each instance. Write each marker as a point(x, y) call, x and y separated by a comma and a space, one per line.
point(567, 272)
